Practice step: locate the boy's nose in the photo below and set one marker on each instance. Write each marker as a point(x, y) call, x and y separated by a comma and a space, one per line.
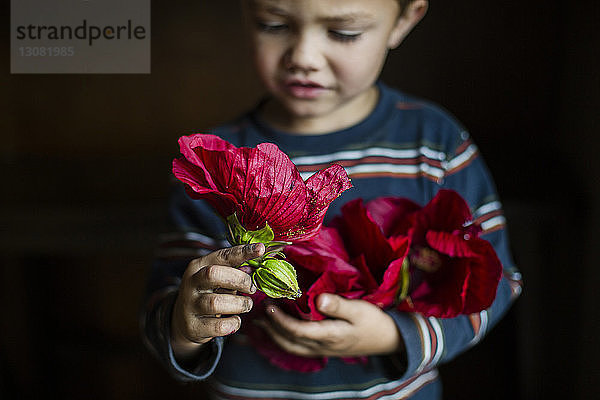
point(304, 54)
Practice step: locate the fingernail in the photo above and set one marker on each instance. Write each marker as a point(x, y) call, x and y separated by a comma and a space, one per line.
point(246, 268)
point(257, 247)
point(234, 326)
point(249, 304)
point(253, 288)
point(324, 302)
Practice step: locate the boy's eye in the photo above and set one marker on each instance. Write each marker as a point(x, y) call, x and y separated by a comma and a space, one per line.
point(344, 36)
point(272, 27)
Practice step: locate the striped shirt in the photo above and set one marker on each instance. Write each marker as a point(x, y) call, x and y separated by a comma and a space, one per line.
point(406, 147)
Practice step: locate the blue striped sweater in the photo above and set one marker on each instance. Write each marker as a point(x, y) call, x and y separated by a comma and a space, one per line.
point(406, 147)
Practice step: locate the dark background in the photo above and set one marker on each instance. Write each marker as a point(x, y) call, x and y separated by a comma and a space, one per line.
point(85, 164)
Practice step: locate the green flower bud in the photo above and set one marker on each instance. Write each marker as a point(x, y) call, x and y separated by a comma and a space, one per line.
point(277, 278)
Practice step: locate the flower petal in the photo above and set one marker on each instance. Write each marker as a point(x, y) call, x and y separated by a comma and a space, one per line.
point(447, 211)
point(449, 244)
point(260, 184)
point(329, 282)
point(278, 195)
point(385, 295)
point(198, 186)
point(187, 144)
point(322, 188)
point(362, 236)
point(390, 214)
point(325, 251)
point(485, 273)
point(442, 294)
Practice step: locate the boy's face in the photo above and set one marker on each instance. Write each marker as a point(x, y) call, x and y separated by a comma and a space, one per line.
point(320, 58)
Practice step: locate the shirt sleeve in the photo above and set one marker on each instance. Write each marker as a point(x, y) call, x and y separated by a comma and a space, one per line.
point(196, 231)
point(430, 341)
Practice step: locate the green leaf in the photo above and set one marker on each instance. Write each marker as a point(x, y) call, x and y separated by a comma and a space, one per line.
point(240, 235)
point(264, 235)
point(237, 232)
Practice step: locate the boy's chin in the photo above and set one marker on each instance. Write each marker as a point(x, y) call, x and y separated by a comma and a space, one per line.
point(310, 116)
point(308, 120)
point(298, 110)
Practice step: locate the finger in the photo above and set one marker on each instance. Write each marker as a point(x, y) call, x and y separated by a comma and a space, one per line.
point(246, 268)
point(300, 330)
point(286, 344)
point(339, 307)
point(202, 328)
point(225, 291)
point(214, 304)
point(219, 276)
point(234, 256)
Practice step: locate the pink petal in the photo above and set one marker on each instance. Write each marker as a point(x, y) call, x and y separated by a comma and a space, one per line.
point(278, 194)
point(399, 244)
point(322, 188)
point(449, 244)
point(362, 236)
point(367, 280)
point(323, 252)
point(255, 178)
point(198, 187)
point(441, 294)
point(328, 282)
point(261, 184)
point(389, 213)
point(187, 144)
point(385, 295)
point(485, 273)
point(447, 211)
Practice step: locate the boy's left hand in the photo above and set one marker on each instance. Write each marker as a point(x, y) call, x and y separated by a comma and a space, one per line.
point(358, 328)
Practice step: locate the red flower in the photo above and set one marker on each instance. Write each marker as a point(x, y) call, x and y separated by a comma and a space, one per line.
point(259, 185)
point(453, 270)
point(324, 266)
point(362, 256)
point(352, 259)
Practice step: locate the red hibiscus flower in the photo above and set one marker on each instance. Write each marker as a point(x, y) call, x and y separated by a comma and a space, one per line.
point(260, 185)
point(371, 270)
point(453, 270)
point(370, 251)
point(325, 266)
point(352, 259)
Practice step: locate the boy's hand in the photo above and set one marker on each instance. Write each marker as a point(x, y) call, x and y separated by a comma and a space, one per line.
point(359, 328)
point(208, 290)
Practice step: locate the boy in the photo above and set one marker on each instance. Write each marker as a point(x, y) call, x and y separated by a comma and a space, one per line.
point(319, 61)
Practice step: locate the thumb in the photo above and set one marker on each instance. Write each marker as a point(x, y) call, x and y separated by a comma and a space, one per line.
point(338, 307)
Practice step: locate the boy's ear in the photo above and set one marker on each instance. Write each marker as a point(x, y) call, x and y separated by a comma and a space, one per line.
point(414, 12)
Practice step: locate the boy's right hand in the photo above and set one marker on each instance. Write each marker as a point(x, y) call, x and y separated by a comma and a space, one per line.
point(207, 303)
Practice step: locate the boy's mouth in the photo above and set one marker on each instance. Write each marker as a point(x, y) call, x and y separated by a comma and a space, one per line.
point(303, 89)
point(304, 83)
